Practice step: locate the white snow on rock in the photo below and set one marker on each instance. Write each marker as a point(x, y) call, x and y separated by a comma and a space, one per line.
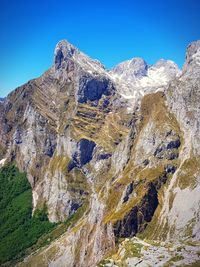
point(134, 77)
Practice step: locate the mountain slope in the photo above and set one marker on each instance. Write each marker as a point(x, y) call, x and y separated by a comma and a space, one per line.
point(121, 145)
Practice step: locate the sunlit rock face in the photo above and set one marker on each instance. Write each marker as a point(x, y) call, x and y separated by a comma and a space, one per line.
point(118, 150)
point(63, 52)
point(192, 53)
point(134, 68)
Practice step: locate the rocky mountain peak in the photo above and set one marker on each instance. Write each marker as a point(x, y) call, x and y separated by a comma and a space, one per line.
point(166, 63)
point(136, 67)
point(63, 51)
point(136, 75)
point(67, 56)
point(167, 68)
point(192, 63)
point(192, 50)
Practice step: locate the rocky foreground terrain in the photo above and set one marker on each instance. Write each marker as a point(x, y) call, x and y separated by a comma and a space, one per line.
point(116, 152)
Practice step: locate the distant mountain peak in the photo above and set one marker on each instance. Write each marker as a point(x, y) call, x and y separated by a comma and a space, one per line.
point(136, 75)
point(136, 67)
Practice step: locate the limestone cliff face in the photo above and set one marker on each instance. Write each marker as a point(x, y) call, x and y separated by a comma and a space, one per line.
point(90, 142)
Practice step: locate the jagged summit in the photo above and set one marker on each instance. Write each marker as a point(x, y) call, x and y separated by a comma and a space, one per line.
point(134, 68)
point(192, 50)
point(138, 68)
point(192, 64)
point(165, 69)
point(129, 75)
point(136, 75)
point(166, 63)
point(63, 51)
point(67, 56)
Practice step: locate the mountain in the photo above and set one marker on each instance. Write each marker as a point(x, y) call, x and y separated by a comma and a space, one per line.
point(136, 76)
point(112, 158)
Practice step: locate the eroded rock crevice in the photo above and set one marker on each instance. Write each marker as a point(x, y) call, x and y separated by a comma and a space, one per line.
point(138, 217)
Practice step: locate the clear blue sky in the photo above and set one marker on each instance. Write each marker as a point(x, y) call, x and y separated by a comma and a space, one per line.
point(109, 30)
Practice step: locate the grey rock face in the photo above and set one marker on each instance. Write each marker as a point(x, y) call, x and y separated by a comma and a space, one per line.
point(167, 67)
point(134, 78)
point(170, 168)
point(50, 145)
point(174, 144)
point(85, 148)
point(129, 190)
point(135, 67)
point(146, 162)
point(63, 52)
point(18, 137)
point(183, 95)
point(192, 49)
point(168, 148)
point(58, 59)
point(135, 221)
point(191, 67)
point(83, 154)
point(103, 156)
point(92, 88)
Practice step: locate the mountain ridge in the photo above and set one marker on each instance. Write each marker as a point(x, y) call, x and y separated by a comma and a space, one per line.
point(120, 145)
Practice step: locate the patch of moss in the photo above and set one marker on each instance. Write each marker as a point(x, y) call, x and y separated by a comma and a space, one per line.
point(171, 199)
point(2, 151)
point(59, 162)
point(177, 258)
point(192, 243)
point(188, 172)
point(189, 228)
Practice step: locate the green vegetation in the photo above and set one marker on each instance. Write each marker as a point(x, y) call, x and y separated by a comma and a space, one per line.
point(132, 249)
point(177, 258)
point(188, 173)
point(18, 229)
point(102, 263)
